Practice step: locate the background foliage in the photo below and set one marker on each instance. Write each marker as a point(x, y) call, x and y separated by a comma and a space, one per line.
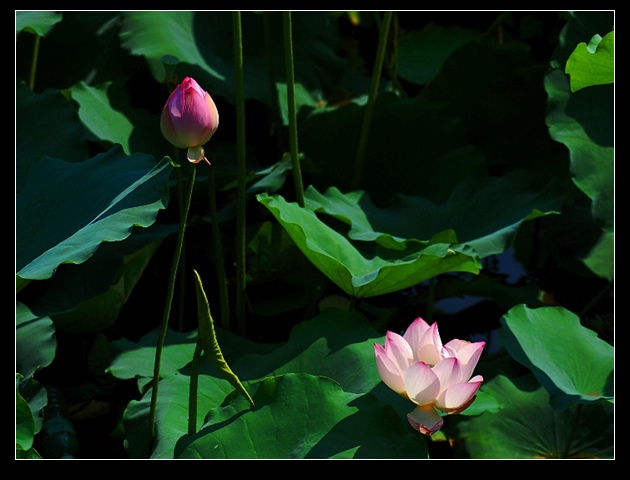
point(486, 203)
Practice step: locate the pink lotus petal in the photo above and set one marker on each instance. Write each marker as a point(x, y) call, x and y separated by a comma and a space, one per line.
point(398, 350)
point(449, 372)
point(469, 356)
point(456, 345)
point(463, 349)
point(468, 353)
point(415, 332)
point(425, 419)
point(457, 397)
point(430, 346)
point(389, 371)
point(421, 384)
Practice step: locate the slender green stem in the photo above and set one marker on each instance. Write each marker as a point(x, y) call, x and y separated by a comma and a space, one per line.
point(273, 89)
point(390, 66)
point(182, 290)
point(182, 262)
point(180, 189)
point(369, 109)
point(218, 253)
point(194, 387)
point(293, 137)
point(169, 301)
point(241, 174)
point(31, 78)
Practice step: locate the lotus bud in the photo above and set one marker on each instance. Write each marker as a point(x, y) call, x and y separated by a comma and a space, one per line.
point(189, 119)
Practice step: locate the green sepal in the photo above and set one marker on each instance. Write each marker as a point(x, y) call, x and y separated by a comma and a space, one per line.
point(208, 339)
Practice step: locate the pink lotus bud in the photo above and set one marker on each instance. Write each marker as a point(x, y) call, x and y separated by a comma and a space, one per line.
point(189, 119)
point(433, 376)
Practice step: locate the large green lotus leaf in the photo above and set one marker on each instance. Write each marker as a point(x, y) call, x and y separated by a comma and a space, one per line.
point(35, 348)
point(155, 34)
point(302, 416)
point(28, 415)
point(204, 44)
point(584, 122)
point(581, 122)
point(336, 344)
point(113, 270)
point(592, 64)
point(569, 360)
point(320, 346)
point(599, 258)
point(581, 26)
point(273, 251)
point(171, 414)
point(31, 454)
point(35, 342)
point(484, 212)
point(527, 427)
point(593, 165)
point(336, 257)
point(100, 118)
point(47, 124)
point(98, 200)
point(101, 311)
point(349, 208)
point(24, 423)
point(137, 359)
point(39, 23)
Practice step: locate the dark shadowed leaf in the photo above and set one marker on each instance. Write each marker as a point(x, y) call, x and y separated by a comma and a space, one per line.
point(108, 195)
point(35, 342)
point(45, 124)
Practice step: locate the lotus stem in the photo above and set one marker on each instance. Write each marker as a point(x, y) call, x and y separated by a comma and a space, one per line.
point(194, 387)
point(218, 253)
point(369, 109)
point(241, 174)
point(168, 303)
point(31, 78)
point(293, 137)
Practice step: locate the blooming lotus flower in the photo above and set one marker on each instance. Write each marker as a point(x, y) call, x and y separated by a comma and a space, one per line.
point(189, 119)
point(433, 376)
